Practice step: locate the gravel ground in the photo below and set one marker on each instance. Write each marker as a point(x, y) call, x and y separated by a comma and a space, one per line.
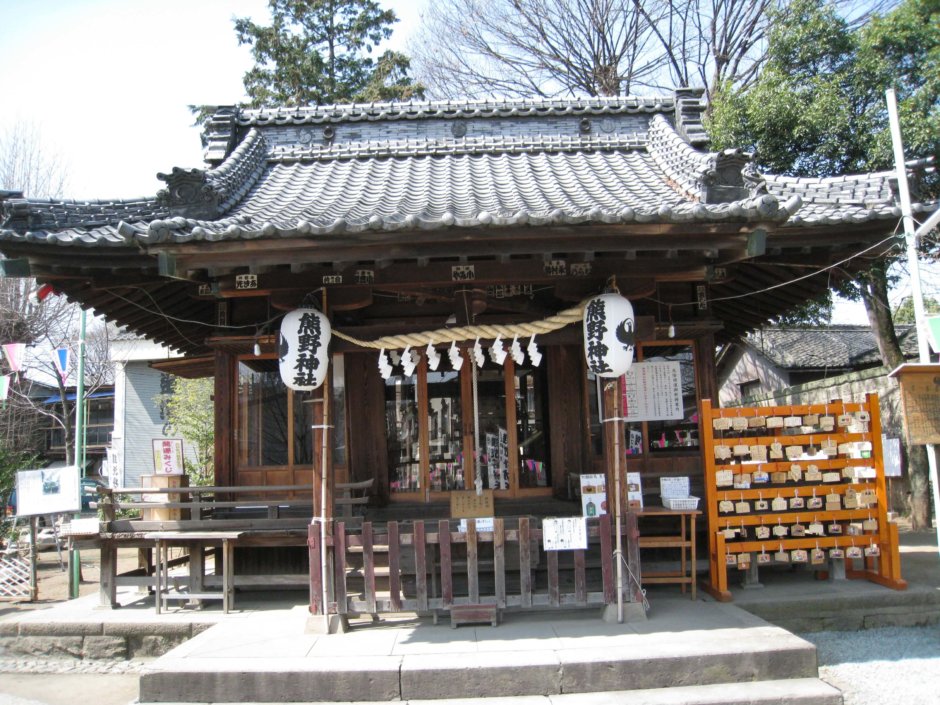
point(891, 666)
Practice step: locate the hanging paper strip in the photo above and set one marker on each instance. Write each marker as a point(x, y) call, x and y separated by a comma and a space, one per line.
point(62, 358)
point(4, 387)
point(15, 353)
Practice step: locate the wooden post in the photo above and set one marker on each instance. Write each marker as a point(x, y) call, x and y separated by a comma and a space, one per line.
point(107, 585)
point(33, 579)
point(316, 578)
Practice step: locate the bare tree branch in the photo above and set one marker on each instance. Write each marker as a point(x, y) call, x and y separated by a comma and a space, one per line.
point(546, 48)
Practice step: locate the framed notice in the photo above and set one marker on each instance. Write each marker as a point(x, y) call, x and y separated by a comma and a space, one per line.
point(920, 401)
point(652, 391)
point(467, 504)
point(168, 456)
point(564, 533)
point(47, 491)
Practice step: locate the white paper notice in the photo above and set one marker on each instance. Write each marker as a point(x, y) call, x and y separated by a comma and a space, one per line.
point(564, 533)
point(652, 391)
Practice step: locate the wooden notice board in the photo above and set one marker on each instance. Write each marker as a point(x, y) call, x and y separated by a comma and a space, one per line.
point(920, 402)
point(469, 505)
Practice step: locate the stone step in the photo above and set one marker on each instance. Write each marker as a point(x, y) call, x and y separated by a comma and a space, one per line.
point(796, 691)
point(666, 662)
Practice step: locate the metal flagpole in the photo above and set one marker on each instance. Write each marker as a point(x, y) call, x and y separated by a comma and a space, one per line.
point(911, 237)
point(75, 564)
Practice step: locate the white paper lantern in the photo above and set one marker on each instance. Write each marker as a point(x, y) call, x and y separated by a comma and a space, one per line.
point(305, 337)
point(609, 336)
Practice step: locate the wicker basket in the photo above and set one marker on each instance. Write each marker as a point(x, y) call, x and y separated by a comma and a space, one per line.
point(679, 503)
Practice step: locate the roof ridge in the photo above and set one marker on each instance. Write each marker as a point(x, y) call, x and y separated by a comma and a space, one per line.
point(451, 109)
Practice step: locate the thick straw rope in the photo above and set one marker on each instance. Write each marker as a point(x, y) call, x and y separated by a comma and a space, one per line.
point(456, 335)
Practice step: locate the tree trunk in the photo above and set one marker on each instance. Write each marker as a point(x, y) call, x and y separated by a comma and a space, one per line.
point(874, 291)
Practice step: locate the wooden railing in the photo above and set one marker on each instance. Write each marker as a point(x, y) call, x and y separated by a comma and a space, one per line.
point(204, 504)
point(431, 566)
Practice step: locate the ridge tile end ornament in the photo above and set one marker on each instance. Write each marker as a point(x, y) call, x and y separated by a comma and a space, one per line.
point(188, 193)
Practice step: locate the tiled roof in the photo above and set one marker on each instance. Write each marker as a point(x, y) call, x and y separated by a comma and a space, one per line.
point(836, 347)
point(307, 172)
point(43, 215)
point(840, 199)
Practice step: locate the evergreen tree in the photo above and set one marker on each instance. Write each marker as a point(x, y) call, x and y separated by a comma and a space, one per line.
point(318, 52)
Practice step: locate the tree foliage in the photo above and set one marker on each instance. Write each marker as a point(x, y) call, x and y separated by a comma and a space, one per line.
point(904, 313)
point(190, 414)
point(819, 109)
point(318, 52)
point(525, 48)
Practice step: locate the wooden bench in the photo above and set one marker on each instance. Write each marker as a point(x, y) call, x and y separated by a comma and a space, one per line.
point(196, 541)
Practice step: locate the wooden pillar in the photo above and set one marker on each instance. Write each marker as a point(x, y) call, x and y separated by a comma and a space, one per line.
point(226, 384)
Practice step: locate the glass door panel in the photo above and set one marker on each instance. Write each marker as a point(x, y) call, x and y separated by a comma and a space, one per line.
point(402, 431)
point(531, 399)
point(445, 432)
point(493, 449)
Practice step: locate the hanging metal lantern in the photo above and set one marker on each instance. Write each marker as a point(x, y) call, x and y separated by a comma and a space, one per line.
point(302, 349)
point(609, 335)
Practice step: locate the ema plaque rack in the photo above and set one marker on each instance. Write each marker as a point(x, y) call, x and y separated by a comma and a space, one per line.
point(798, 485)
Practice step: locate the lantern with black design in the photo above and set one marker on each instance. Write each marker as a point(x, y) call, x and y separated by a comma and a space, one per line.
point(302, 348)
point(609, 335)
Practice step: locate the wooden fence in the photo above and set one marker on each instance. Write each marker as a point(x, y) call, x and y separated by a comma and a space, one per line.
point(431, 566)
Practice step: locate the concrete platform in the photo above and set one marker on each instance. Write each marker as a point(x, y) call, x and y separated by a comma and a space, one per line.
point(268, 657)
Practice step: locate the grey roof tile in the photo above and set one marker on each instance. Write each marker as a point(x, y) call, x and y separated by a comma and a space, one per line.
point(835, 347)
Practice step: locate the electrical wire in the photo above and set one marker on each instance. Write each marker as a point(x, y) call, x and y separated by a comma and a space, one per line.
point(781, 284)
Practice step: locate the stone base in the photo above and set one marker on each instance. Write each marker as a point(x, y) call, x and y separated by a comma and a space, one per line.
point(632, 612)
point(326, 624)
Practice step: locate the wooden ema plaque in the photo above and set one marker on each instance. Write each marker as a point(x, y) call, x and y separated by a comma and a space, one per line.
point(470, 505)
point(920, 401)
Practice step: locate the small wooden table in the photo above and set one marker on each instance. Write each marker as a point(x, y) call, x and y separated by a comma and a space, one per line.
point(196, 541)
point(684, 541)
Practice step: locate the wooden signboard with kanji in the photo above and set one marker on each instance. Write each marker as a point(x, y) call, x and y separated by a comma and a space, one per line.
point(920, 402)
point(469, 504)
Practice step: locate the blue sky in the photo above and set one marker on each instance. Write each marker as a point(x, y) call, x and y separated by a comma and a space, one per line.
point(107, 82)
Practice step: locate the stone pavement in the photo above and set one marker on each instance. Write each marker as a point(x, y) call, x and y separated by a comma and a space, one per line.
point(266, 636)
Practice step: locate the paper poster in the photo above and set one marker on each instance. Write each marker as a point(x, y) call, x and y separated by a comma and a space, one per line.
point(652, 391)
point(481, 523)
point(891, 448)
point(168, 456)
point(673, 487)
point(634, 491)
point(492, 460)
point(47, 491)
point(564, 533)
point(503, 455)
point(593, 495)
